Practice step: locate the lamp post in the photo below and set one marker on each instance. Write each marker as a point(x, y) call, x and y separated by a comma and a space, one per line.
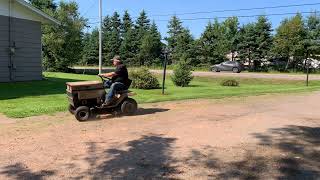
point(308, 66)
point(166, 52)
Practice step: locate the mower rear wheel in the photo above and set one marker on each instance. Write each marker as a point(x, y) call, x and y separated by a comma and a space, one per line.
point(82, 113)
point(129, 106)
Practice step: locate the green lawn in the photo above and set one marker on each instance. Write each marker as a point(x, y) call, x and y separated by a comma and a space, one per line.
point(25, 99)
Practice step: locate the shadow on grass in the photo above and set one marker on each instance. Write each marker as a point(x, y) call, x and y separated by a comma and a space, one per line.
point(195, 85)
point(47, 86)
point(20, 171)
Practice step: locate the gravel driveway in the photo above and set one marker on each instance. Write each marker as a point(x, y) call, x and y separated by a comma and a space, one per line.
point(250, 75)
point(264, 137)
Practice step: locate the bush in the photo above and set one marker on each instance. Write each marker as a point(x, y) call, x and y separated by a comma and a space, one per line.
point(230, 82)
point(182, 74)
point(142, 78)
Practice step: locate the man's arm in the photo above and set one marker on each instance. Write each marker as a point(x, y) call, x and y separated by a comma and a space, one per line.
point(109, 75)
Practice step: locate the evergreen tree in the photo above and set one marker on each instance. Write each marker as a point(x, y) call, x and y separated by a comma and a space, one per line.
point(175, 29)
point(312, 43)
point(85, 42)
point(180, 41)
point(142, 25)
point(151, 46)
point(141, 29)
point(106, 25)
point(231, 26)
point(127, 23)
point(112, 36)
point(264, 37)
point(248, 43)
point(183, 47)
point(106, 38)
point(91, 48)
point(213, 44)
point(289, 39)
point(128, 48)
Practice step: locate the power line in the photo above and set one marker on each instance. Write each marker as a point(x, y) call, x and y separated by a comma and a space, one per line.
point(91, 6)
point(228, 10)
point(225, 17)
point(233, 10)
point(241, 16)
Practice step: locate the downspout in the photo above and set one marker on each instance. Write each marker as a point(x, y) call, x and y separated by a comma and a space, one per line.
point(9, 43)
point(12, 44)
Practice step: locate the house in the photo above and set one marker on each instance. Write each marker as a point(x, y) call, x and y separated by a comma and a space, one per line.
point(20, 40)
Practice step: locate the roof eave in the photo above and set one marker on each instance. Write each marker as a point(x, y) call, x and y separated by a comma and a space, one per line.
point(44, 15)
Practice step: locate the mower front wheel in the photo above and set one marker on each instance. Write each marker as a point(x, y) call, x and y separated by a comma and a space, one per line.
point(82, 113)
point(71, 109)
point(129, 106)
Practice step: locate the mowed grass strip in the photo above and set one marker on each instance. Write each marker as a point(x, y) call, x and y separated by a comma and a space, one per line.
point(24, 99)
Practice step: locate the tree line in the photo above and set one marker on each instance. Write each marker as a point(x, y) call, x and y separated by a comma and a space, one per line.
point(139, 42)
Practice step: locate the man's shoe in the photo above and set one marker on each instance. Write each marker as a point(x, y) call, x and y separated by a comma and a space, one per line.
point(107, 103)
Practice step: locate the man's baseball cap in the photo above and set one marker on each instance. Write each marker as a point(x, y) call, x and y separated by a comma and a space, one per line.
point(116, 58)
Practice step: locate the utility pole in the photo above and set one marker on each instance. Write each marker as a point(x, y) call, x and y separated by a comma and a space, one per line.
point(100, 37)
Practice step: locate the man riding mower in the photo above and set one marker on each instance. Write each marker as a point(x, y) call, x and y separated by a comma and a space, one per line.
point(90, 97)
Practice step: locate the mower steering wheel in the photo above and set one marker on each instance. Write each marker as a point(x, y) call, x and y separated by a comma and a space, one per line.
point(103, 79)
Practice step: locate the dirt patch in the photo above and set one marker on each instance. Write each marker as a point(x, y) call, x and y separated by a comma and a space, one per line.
point(242, 138)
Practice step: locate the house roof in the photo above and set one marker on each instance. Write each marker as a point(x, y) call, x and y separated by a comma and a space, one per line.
point(38, 12)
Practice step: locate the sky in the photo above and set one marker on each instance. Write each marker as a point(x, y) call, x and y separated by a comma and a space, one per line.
point(90, 9)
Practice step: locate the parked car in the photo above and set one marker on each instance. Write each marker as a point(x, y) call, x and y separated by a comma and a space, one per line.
point(234, 66)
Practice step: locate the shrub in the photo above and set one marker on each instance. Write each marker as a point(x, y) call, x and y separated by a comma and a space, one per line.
point(182, 74)
point(230, 82)
point(142, 78)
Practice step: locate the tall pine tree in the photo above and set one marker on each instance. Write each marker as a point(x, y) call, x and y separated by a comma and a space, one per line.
point(151, 46)
point(213, 43)
point(127, 23)
point(91, 48)
point(112, 36)
point(264, 37)
point(174, 29)
point(248, 43)
point(178, 40)
point(128, 47)
point(289, 40)
point(183, 49)
point(142, 26)
point(312, 43)
point(231, 32)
